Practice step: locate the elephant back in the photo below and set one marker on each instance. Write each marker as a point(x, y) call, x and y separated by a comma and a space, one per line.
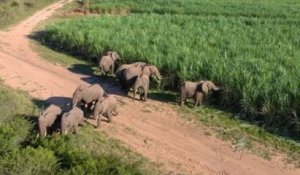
point(93, 92)
point(49, 115)
point(76, 113)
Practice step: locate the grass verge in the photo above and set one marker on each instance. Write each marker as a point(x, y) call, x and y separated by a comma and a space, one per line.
point(13, 11)
point(89, 152)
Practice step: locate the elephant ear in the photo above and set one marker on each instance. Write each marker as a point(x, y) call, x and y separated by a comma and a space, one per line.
point(117, 56)
point(205, 87)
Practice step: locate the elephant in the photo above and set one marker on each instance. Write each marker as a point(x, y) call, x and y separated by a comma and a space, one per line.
point(198, 89)
point(107, 61)
point(141, 84)
point(120, 73)
point(132, 73)
point(47, 118)
point(72, 119)
point(108, 106)
point(87, 94)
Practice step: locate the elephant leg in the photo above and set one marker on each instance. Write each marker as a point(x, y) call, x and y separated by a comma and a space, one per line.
point(115, 111)
point(76, 129)
point(182, 98)
point(99, 121)
point(199, 97)
point(141, 93)
point(134, 92)
point(43, 130)
point(81, 122)
point(145, 93)
point(109, 116)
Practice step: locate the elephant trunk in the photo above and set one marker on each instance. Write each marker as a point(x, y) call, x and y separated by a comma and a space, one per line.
point(216, 88)
point(74, 102)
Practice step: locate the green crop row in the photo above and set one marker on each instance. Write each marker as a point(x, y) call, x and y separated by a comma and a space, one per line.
point(247, 8)
point(255, 61)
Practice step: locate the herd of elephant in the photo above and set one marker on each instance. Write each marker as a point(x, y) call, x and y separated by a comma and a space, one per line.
point(135, 76)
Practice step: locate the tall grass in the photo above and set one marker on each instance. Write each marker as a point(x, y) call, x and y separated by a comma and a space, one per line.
point(12, 11)
point(87, 153)
point(255, 60)
point(248, 8)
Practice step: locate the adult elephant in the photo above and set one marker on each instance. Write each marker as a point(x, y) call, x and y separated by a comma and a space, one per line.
point(120, 73)
point(197, 90)
point(88, 95)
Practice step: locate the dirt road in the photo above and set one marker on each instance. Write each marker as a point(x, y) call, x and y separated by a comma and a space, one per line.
point(153, 129)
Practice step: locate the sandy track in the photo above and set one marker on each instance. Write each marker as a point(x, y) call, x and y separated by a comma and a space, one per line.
point(153, 129)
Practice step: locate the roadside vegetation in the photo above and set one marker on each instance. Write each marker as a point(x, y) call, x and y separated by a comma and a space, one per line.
point(253, 57)
point(12, 11)
point(90, 152)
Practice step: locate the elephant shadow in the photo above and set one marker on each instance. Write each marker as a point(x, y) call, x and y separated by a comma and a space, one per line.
point(63, 102)
point(84, 69)
point(109, 84)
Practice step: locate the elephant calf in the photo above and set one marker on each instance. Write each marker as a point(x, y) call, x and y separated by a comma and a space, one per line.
point(108, 106)
point(47, 118)
point(107, 62)
point(72, 119)
point(196, 89)
point(141, 84)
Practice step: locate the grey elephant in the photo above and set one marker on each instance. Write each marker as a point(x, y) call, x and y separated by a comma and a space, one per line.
point(142, 85)
point(197, 90)
point(120, 73)
point(107, 61)
point(87, 95)
point(47, 118)
point(72, 119)
point(131, 74)
point(106, 107)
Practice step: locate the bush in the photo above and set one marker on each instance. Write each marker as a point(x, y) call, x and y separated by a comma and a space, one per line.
point(29, 161)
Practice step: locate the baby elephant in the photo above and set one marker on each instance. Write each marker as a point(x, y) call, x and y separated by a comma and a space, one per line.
point(47, 118)
point(72, 119)
point(196, 89)
point(107, 61)
point(141, 84)
point(108, 106)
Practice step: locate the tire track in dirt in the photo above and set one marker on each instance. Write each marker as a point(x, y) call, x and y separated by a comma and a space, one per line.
point(161, 135)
